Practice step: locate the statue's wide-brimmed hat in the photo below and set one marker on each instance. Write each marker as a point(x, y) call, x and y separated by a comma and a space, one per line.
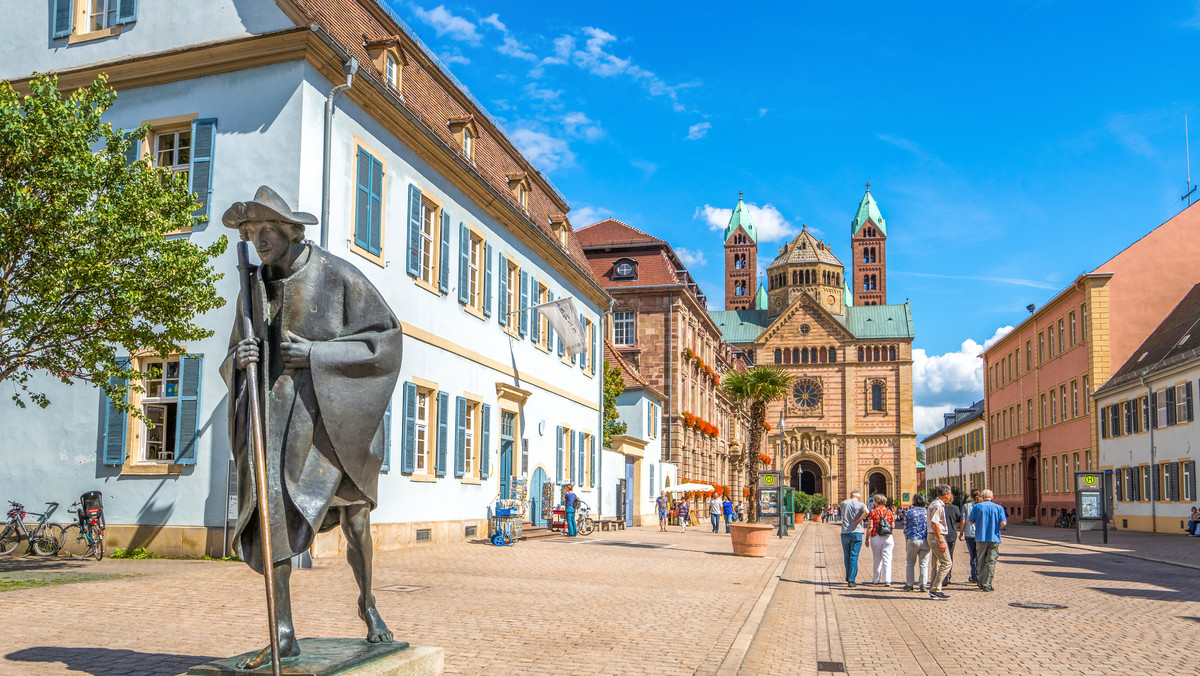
point(267, 205)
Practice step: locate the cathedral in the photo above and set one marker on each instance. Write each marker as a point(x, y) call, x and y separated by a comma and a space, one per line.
point(848, 422)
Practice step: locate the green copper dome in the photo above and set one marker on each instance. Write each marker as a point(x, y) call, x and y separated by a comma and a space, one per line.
point(867, 208)
point(847, 297)
point(741, 216)
point(760, 303)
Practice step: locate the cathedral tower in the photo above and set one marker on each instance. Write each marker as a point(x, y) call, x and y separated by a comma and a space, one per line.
point(868, 244)
point(741, 259)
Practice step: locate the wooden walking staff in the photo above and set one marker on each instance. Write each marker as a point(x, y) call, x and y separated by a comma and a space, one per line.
point(260, 458)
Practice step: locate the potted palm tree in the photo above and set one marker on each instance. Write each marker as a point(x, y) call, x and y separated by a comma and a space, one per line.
point(753, 390)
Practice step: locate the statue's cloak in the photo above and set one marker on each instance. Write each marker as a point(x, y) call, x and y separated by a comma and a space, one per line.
point(322, 425)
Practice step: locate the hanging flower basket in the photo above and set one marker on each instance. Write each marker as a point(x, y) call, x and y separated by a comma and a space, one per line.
point(764, 458)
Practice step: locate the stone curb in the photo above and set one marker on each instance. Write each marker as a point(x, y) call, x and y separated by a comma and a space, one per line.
point(1101, 550)
point(732, 663)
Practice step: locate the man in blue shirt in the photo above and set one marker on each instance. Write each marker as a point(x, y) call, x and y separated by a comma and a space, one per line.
point(989, 518)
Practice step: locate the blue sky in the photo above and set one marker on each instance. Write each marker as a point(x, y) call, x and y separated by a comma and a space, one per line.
point(1011, 146)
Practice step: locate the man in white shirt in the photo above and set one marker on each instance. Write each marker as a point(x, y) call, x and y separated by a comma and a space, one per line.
point(853, 512)
point(938, 532)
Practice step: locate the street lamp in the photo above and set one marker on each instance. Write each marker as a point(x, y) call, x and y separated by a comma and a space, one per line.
point(779, 452)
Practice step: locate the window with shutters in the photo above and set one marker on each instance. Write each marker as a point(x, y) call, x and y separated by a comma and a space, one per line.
point(164, 436)
point(586, 470)
point(518, 184)
point(512, 290)
point(428, 255)
point(1160, 398)
point(1127, 415)
point(473, 284)
point(1147, 487)
point(173, 149)
point(181, 144)
point(542, 333)
point(85, 20)
point(388, 58)
point(370, 169)
point(1187, 477)
point(470, 443)
point(589, 353)
point(1183, 403)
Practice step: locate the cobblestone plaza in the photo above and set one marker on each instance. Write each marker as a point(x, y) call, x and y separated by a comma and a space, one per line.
point(637, 601)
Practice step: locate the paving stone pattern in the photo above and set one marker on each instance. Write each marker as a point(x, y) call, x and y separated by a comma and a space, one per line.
point(580, 606)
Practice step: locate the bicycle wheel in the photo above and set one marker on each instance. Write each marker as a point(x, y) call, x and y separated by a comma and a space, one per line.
point(586, 526)
point(48, 541)
point(97, 544)
point(9, 539)
point(74, 543)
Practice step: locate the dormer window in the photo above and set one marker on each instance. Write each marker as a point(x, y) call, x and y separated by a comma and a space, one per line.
point(462, 127)
point(624, 270)
point(518, 183)
point(387, 58)
point(559, 225)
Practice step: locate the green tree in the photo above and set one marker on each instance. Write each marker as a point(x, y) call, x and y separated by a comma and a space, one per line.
point(753, 390)
point(920, 454)
point(86, 264)
point(614, 385)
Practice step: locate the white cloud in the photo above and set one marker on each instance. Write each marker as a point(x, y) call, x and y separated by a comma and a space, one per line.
point(547, 96)
point(494, 22)
point(594, 59)
point(762, 112)
point(769, 222)
point(453, 58)
point(698, 130)
point(691, 256)
point(945, 381)
point(443, 23)
point(587, 215)
point(543, 150)
point(512, 47)
point(648, 168)
point(578, 124)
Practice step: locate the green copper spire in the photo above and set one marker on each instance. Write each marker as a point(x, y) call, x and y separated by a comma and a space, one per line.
point(760, 303)
point(867, 208)
point(847, 297)
point(741, 216)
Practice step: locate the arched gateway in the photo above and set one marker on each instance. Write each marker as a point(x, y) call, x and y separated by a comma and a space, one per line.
point(807, 476)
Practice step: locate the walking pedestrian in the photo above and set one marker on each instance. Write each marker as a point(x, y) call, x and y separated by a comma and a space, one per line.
point(727, 509)
point(741, 512)
point(882, 522)
point(969, 531)
point(569, 500)
point(937, 541)
point(954, 525)
point(989, 519)
point(853, 512)
point(662, 504)
point(916, 545)
point(714, 512)
point(1192, 521)
point(684, 509)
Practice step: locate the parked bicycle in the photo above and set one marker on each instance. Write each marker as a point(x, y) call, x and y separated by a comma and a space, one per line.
point(583, 518)
point(85, 537)
point(43, 539)
point(1065, 520)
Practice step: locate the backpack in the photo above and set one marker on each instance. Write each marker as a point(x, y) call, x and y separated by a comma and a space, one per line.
point(884, 528)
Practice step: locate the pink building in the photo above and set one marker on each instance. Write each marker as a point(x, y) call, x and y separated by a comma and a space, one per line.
point(1039, 377)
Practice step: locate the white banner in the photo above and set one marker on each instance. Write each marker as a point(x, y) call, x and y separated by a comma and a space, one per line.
point(562, 316)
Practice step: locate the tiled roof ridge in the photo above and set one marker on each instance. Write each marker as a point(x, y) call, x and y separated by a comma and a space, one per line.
point(628, 371)
point(652, 238)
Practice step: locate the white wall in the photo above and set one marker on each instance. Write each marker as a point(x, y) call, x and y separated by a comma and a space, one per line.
point(28, 45)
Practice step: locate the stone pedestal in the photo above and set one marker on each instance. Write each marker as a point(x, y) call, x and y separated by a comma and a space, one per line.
point(340, 657)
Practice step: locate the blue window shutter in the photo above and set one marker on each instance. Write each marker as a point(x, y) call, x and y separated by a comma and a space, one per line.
point(523, 315)
point(572, 456)
point(1171, 406)
point(127, 12)
point(134, 152)
point(375, 238)
point(64, 15)
point(485, 443)
point(1154, 410)
point(387, 439)
point(592, 462)
point(200, 174)
point(408, 449)
point(191, 367)
point(502, 295)
point(362, 201)
point(444, 273)
point(558, 459)
point(443, 431)
point(534, 295)
point(414, 230)
point(464, 263)
point(549, 326)
point(1188, 393)
point(582, 356)
point(116, 424)
point(460, 436)
point(653, 492)
point(487, 280)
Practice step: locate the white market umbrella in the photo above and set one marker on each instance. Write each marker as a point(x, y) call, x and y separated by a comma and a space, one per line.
point(688, 488)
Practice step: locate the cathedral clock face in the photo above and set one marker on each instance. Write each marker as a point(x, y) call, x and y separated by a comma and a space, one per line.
point(830, 299)
point(807, 393)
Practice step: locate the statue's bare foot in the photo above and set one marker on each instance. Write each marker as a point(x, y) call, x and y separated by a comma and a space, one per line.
point(287, 648)
point(377, 631)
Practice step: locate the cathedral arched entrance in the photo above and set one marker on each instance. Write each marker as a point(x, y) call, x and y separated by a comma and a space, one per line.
point(878, 482)
point(809, 476)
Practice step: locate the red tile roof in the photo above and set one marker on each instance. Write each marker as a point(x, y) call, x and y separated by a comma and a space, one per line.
point(633, 379)
point(654, 268)
point(610, 231)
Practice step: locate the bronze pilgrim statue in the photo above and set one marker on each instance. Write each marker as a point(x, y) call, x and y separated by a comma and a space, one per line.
point(324, 349)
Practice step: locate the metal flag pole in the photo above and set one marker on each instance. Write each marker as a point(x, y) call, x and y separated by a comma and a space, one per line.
point(260, 459)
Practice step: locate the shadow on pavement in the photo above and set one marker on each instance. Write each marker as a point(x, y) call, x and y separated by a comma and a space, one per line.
point(110, 662)
point(11, 564)
point(1169, 582)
